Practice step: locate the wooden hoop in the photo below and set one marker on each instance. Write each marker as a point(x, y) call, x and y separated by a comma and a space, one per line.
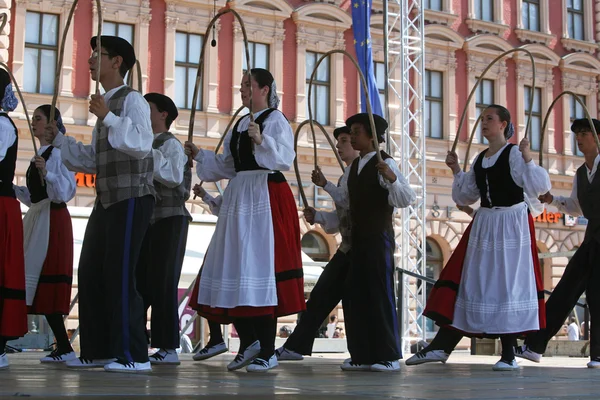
point(367, 99)
point(480, 79)
point(297, 169)
point(201, 66)
point(138, 68)
point(61, 54)
point(471, 141)
point(587, 114)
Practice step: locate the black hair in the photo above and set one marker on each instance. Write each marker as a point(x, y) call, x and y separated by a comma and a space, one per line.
point(263, 78)
point(45, 108)
point(332, 318)
point(504, 115)
point(4, 81)
point(123, 69)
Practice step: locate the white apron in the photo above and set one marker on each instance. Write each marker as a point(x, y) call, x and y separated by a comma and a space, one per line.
point(36, 233)
point(239, 266)
point(498, 293)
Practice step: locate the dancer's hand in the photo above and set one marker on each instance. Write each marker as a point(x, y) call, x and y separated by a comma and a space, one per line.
point(386, 171)
point(190, 149)
point(452, 162)
point(546, 198)
point(98, 106)
point(50, 131)
point(254, 133)
point(40, 164)
point(199, 190)
point(465, 209)
point(525, 150)
point(309, 215)
point(318, 178)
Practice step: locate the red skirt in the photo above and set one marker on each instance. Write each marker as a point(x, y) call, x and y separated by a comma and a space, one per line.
point(13, 310)
point(53, 293)
point(288, 265)
point(441, 301)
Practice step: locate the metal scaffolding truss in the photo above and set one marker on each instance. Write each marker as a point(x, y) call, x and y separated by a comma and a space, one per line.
point(404, 50)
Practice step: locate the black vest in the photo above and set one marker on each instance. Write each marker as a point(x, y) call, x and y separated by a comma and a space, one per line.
point(37, 192)
point(8, 164)
point(370, 211)
point(588, 195)
point(241, 145)
point(504, 192)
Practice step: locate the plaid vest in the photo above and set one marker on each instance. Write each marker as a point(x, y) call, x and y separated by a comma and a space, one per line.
point(345, 227)
point(170, 202)
point(119, 176)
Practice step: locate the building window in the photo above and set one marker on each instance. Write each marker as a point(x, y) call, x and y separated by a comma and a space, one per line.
point(124, 31)
point(259, 55)
point(434, 104)
point(187, 55)
point(531, 15)
point(483, 98)
point(575, 19)
point(41, 46)
point(315, 246)
point(536, 115)
point(381, 82)
point(320, 90)
point(484, 10)
point(576, 112)
point(433, 267)
point(435, 5)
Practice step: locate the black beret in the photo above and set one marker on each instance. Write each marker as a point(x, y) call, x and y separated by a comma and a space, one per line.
point(120, 46)
point(163, 103)
point(338, 131)
point(363, 118)
point(583, 124)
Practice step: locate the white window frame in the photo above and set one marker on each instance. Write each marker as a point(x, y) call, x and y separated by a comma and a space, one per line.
point(543, 35)
point(497, 26)
point(39, 47)
point(535, 114)
point(437, 100)
point(588, 44)
point(193, 64)
point(445, 16)
point(316, 83)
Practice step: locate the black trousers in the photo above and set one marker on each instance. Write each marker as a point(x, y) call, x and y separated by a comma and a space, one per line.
point(582, 274)
point(158, 272)
point(326, 294)
point(111, 312)
point(262, 329)
point(372, 325)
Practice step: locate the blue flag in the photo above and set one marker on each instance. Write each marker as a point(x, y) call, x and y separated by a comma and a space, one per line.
point(361, 14)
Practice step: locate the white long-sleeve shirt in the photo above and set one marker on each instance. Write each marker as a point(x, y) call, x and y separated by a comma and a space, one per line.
point(276, 152)
point(534, 180)
point(570, 205)
point(131, 133)
point(400, 193)
point(7, 136)
point(60, 182)
point(214, 203)
point(169, 163)
point(328, 220)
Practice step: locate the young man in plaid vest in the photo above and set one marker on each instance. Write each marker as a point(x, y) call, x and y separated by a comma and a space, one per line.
point(328, 291)
point(161, 259)
point(112, 317)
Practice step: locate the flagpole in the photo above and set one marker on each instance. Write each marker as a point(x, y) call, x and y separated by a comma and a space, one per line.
point(386, 111)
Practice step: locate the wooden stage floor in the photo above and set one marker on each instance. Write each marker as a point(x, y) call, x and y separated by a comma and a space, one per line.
point(315, 378)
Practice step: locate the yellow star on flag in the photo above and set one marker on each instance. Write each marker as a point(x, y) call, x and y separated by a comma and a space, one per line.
point(355, 5)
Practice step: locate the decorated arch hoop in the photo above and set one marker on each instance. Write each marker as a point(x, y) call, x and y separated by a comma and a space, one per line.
point(297, 169)
point(138, 70)
point(485, 71)
point(61, 54)
point(546, 118)
point(201, 67)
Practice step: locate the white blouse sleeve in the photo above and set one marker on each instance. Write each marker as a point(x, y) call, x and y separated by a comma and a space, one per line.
point(336, 192)
point(400, 194)
point(329, 221)
point(213, 167)
point(464, 188)
point(75, 155)
point(60, 182)
point(131, 132)
point(23, 194)
point(7, 136)
point(534, 180)
point(276, 152)
point(169, 163)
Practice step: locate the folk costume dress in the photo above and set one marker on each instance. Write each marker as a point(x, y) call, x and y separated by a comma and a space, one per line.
point(253, 264)
point(13, 310)
point(48, 235)
point(492, 284)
